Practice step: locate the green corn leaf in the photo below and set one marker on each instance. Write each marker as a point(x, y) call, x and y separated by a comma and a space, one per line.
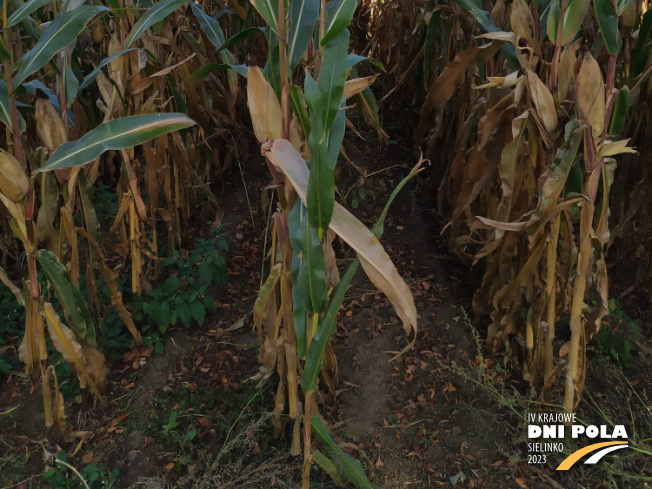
point(271, 71)
point(354, 59)
point(211, 27)
point(573, 18)
point(157, 13)
point(202, 72)
point(326, 327)
point(607, 17)
point(484, 20)
point(88, 79)
point(311, 277)
point(338, 17)
point(332, 77)
point(429, 44)
point(299, 312)
point(299, 106)
point(559, 169)
point(268, 10)
point(74, 305)
point(620, 112)
point(349, 467)
point(116, 134)
point(4, 54)
point(61, 32)
point(70, 83)
point(336, 136)
point(5, 111)
point(25, 10)
point(241, 36)
point(321, 185)
point(303, 16)
point(328, 466)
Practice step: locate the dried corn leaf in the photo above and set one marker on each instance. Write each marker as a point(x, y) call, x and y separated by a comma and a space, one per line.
point(453, 75)
point(264, 107)
point(357, 85)
point(375, 261)
point(591, 94)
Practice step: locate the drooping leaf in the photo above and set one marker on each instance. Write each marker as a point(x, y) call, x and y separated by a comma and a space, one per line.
point(354, 59)
point(88, 79)
point(75, 309)
point(375, 261)
point(357, 85)
point(338, 17)
point(453, 74)
point(350, 468)
point(210, 25)
point(240, 37)
point(89, 361)
point(25, 10)
point(61, 32)
point(157, 13)
point(325, 463)
point(607, 17)
point(115, 134)
point(303, 16)
point(326, 328)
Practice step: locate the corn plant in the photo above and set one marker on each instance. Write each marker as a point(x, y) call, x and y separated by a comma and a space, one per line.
point(527, 190)
point(74, 166)
point(299, 116)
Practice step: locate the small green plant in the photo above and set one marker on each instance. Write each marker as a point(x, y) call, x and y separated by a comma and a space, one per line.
point(62, 475)
point(615, 335)
point(183, 296)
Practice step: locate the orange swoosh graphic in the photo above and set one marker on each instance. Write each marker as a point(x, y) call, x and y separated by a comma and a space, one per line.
point(575, 456)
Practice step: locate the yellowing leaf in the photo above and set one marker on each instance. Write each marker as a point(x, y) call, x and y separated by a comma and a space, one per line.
point(453, 74)
point(566, 70)
point(264, 107)
point(591, 94)
point(357, 85)
point(543, 101)
point(615, 148)
point(375, 261)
